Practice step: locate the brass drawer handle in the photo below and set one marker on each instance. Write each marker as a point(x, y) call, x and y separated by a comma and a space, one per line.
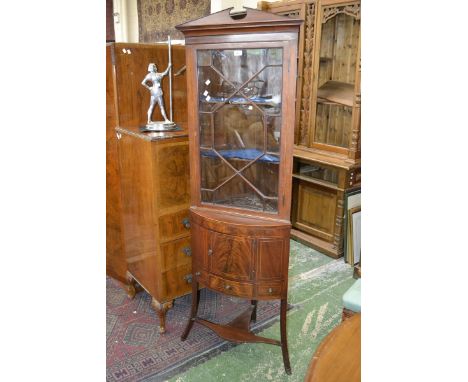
point(197, 273)
point(187, 251)
point(227, 287)
point(188, 278)
point(186, 223)
point(210, 252)
point(270, 290)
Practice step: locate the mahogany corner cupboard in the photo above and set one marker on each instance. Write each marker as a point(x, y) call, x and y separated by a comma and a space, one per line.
point(241, 82)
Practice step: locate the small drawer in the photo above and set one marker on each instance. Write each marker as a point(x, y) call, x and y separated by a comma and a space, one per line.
point(231, 287)
point(176, 253)
point(176, 282)
point(269, 290)
point(174, 225)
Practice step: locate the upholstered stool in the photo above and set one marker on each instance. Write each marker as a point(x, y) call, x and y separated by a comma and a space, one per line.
point(352, 300)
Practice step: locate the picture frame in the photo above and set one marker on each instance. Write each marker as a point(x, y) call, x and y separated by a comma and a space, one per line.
point(352, 202)
point(354, 229)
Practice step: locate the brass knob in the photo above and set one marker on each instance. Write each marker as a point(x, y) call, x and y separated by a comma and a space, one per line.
point(197, 273)
point(270, 290)
point(187, 251)
point(210, 252)
point(188, 278)
point(186, 223)
point(227, 287)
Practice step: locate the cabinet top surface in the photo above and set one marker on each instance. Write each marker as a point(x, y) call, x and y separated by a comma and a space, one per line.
point(325, 158)
point(238, 219)
point(151, 136)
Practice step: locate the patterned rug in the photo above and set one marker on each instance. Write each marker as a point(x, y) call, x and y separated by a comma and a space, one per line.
point(136, 351)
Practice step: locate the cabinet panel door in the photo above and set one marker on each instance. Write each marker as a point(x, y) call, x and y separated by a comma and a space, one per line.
point(270, 259)
point(231, 256)
point(316, 210)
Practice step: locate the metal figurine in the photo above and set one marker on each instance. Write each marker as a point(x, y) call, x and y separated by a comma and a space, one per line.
point(156, 92)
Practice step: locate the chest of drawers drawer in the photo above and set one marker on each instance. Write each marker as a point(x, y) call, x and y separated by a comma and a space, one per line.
point(174, 225)
point(269, 290)
point(235, 288)
point(176, 253)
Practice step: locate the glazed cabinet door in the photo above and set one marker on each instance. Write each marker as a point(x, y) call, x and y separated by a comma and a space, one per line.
point(335, 95)
point(230, 256)
point(271, 259)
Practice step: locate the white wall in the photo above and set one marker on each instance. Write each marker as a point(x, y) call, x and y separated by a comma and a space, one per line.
point(219, 5)
point(126, 22)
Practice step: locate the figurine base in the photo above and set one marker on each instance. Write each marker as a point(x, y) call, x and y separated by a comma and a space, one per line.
point(159, 126)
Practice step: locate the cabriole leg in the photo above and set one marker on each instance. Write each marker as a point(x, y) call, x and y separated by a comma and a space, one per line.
point(131, 290)
point(161, 310)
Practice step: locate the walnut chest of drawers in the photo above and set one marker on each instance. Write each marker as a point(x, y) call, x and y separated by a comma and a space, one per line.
point(154, 172)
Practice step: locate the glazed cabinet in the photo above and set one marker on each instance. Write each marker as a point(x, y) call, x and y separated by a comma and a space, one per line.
point(328, 117)
point(241, 71)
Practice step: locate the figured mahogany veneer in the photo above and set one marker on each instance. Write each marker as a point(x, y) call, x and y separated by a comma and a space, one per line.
point(240, 256)
point(155, 199)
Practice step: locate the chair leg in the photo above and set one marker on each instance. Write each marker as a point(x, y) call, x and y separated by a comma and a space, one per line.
point(194, 310)
point(284, 340)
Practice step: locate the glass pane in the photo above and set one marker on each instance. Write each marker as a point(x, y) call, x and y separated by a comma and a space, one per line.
point(275, 56)
point(213, 170)
point(206, 130)
point(204, 58)
point(239, 132)
point(239, 65)
point(212, 89)
point(273, 125)
point(333, 124)
point(336, 78)
point(241, 91)
point(316, 171)
point(237, 193)
point(271, 205)
point(264, 174)
point(268, 96)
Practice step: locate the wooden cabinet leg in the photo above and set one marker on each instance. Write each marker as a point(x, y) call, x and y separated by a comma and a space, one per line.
point(161, 310)
point(130, 286)
point(254, 312)
point(194, 310)
point(284, 340)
